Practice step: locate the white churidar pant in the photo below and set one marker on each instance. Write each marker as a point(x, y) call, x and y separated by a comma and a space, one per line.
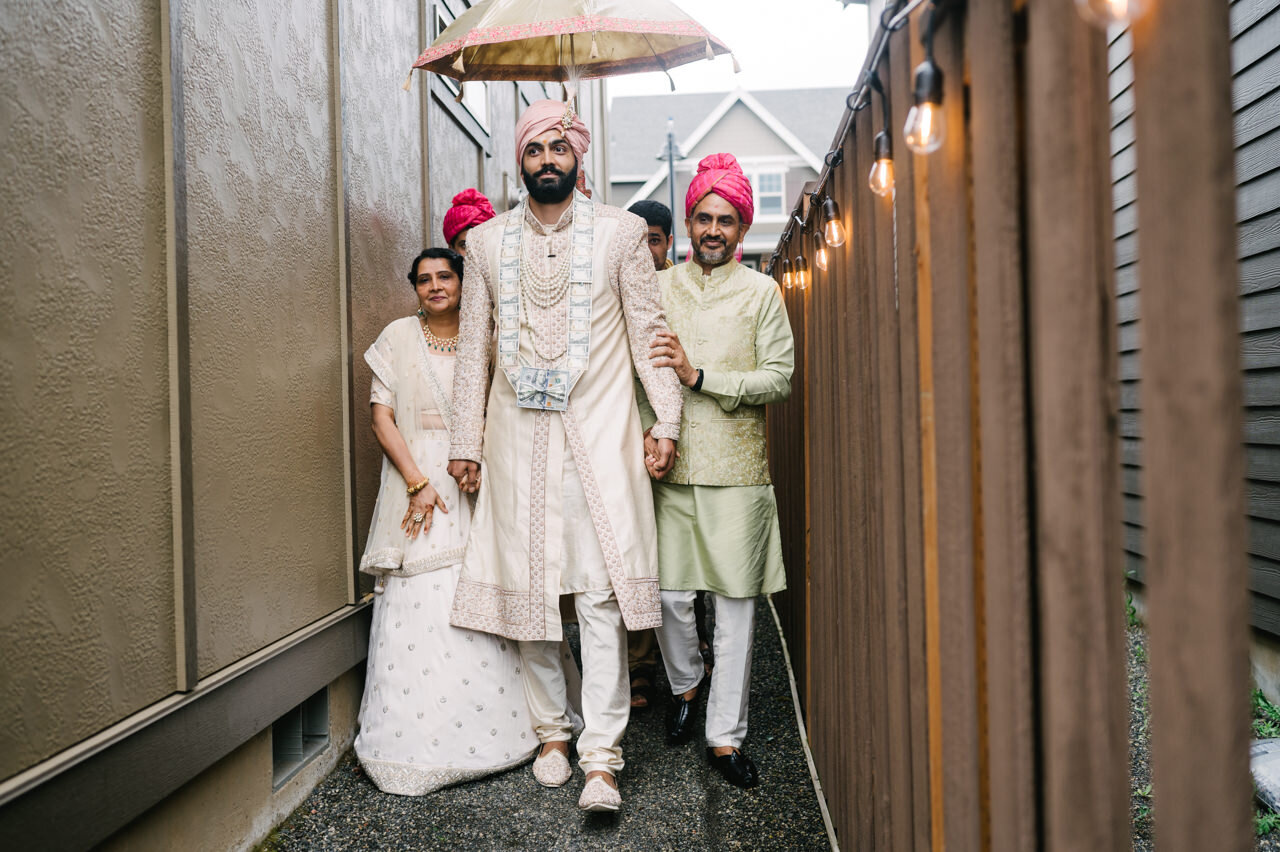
point(605, 694)
point(731, 676)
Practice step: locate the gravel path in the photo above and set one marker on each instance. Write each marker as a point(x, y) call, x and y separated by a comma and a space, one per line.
point(1142, 802)
point(672, 800)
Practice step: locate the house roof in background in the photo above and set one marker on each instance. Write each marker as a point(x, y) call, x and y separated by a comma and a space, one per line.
point(638, 125)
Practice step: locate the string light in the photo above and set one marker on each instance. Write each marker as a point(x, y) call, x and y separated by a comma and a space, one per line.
point(1104, 13)
point(833, 230)
point(819, 251)
point(786, 274)
point(881, 178)
point(926, 127)
point(801, 272)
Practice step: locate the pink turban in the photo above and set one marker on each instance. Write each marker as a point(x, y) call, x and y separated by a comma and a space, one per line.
point(469, 209)
point(721, 174)
point(542, 116)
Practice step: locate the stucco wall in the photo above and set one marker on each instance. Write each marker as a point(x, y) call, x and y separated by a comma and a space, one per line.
point(86, 624)
point(383, 140)
point(266, 367)
point(270, 174)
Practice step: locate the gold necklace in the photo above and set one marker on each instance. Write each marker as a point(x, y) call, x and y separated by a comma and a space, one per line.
point(440, 344)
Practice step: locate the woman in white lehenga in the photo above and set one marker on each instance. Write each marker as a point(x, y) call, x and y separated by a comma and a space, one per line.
point(441, 704)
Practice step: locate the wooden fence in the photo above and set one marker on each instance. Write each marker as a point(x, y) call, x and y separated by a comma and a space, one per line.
point(947, 467)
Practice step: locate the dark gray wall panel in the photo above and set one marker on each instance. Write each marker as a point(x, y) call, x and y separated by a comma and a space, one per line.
point(1255, 28)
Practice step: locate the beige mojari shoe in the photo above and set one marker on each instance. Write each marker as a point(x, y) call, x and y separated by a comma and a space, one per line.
point(597, 795)
point(552, 769)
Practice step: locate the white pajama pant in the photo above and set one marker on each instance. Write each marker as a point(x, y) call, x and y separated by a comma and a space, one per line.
point(606, 697)
point(731, 676)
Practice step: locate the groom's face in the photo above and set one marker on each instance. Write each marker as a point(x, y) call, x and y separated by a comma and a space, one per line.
point(549, 167)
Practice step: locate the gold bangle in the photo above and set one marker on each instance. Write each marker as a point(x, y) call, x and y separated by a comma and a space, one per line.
point(414, 489)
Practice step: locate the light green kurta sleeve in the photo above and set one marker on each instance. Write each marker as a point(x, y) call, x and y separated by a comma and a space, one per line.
point(770, 381)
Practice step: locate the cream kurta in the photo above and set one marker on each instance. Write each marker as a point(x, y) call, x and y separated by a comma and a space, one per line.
point(510, 582)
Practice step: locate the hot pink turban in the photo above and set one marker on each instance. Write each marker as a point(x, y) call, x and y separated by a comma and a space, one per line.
point(721, 174)
point(469, 209)
point(542, 116)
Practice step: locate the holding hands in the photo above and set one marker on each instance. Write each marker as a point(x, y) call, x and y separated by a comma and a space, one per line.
point(659, 455)
point(467, 475)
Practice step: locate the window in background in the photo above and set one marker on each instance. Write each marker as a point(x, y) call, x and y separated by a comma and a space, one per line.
point(769, 191)
point(475, 96)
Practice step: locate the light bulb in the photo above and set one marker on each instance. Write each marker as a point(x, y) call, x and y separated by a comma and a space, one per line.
point(833, 230)
point(819, 252)
point(802, 272)
point(926, 128)
point(881, 177)
point(1104, 13)
point(786, 274)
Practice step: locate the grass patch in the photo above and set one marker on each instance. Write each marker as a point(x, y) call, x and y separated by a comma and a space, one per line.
point(1266, 717)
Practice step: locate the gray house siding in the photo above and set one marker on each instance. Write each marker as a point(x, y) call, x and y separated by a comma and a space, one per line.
point(1255, 32)
point(638, 134)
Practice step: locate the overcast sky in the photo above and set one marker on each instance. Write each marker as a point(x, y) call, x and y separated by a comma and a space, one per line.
point(815, 43)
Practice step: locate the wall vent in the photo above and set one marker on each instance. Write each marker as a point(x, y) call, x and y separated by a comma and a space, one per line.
point(298, 736)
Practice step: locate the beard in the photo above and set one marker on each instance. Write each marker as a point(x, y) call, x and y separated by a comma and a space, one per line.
point(550, 193)
point(712, 257)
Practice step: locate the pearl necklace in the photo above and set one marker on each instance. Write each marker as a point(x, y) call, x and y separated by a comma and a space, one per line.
point(440, 344)
point(544, 291)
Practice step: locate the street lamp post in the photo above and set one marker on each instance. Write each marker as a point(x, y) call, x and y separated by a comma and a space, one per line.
point(671, 152)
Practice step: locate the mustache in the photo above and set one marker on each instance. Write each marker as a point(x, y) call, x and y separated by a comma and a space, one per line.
point(549, 170)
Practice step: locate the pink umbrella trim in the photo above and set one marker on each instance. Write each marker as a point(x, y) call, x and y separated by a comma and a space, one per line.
point(580, 25)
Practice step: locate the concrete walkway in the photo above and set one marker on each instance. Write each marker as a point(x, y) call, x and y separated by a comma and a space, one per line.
point(671, 798)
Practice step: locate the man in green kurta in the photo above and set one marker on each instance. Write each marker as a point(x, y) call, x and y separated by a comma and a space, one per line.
point(730, 345)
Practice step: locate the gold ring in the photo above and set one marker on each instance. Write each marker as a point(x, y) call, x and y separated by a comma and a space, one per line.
point(419, 518)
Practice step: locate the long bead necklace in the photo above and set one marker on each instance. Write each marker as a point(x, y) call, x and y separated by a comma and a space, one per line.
point(440, 344)
point(544, 290)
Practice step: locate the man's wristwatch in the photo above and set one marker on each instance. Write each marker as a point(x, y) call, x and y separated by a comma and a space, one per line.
point(697, 386)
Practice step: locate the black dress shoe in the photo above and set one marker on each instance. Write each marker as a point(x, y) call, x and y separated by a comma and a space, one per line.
point(736, 768)
point(680, 719)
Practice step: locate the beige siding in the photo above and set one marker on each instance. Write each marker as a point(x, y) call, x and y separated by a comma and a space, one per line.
point(271, 175)
point(86, 625)
point(266, 372)
point(383, 138)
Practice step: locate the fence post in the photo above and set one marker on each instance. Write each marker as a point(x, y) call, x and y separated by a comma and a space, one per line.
point(1193, 458)
point(1007, 681)
point(1084, 730)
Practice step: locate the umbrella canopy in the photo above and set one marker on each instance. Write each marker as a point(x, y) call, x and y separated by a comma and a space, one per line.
point(561, 40)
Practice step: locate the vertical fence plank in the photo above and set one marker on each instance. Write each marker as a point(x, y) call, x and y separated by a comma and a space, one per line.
point(945, 277)
point(892, 667)
point(1005, 524)
point(904, 224)
point(854, 500)
point(788, 463)
point(1084, 742)
point(1193, 471)
point(875, 496)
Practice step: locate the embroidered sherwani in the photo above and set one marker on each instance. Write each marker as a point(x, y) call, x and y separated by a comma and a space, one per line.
point(717, 516)
point(520, 555)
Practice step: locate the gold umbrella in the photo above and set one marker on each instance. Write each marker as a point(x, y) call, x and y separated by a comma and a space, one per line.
point(565, 40)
